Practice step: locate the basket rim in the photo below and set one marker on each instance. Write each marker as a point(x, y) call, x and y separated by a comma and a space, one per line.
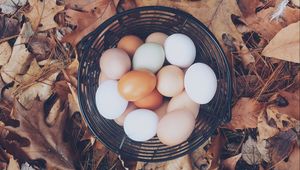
point(102, 26)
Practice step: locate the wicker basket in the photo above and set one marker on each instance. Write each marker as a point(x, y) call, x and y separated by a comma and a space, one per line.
point(141, 22)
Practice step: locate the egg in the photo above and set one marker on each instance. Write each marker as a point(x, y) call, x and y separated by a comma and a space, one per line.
point(162, 110)
point(108, 100)
point(175, 127)
point(200, 83)
point(141, 125)
point(180, 50)
point(136, 84)
point(183, 101)
point(151, 101)
point(102, 78)
point(114, 63)
point(130, 43)
point(157, 37)
point(120, 120)
point(170, 81)
point(150, 56)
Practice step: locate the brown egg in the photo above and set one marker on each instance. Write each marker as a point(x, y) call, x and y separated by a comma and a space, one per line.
point(130, 43)
point(157, 37)
point(136, 84)
point(170, 81)
point(102, 78)
point(162, 110)
point(175, 127)
point(120, 120)
point(151, 101)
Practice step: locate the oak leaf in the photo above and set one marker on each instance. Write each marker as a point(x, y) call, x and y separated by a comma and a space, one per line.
point(45, 142)
point(245, 114)
point(41, 14)
point(286, 44)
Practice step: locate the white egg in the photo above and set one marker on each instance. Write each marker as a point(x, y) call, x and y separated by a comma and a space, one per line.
point(108, 100)
point(200, 83)
point(149, 56)
point(141, 125)
point(180, 50)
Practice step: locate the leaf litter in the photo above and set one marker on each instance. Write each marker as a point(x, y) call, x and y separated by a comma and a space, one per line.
point(38, 85)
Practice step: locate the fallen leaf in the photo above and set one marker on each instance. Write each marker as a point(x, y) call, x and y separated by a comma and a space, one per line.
point(245, 114)
point(293, 106)
point(202, 158)
point(41, 14)
point(182, 163)
point(99, 152)
point(285, 44)
point(20, 58)
point(250, 152)
point(41, 46)
point(263, 147)
point(248, 7)
point(88, 20)
point(215, 150)
point(44, 142)
point(215, 14)
point(292, 163)
point(9, 27)
point(230, 163)
point(11, 6)
point(13, 164)
point(5, 53)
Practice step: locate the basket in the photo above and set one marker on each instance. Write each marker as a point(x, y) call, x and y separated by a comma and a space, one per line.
point(141, 22)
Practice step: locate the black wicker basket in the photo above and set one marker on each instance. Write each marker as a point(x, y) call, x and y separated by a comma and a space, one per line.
point(141, 22)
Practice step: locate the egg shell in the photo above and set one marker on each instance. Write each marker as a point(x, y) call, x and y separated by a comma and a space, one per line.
point(157, 37)
point(114, 63)
point(120, 120)
point(108, 100)
point(200, 83)
point(170, 81)
point(151, 101)
point(130, 43)
point(180, 50)
point(175, 127)
point(162, 110)
point(102, 78)
point(150, 56)
point(141, 124)
point(183, 101)
point(136, 84)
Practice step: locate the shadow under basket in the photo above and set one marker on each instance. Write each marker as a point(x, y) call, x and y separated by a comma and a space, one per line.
point(141, 22)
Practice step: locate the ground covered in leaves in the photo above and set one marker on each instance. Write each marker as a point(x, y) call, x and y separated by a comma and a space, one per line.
point(41, 126)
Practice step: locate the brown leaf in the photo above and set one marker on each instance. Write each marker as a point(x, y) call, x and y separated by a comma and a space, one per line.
point(262, 24)
point(248, 7)
point(215, 149)
point(286, 44)
point(202, 158)
point(99, 152)
point(41, 45)
point(45, 142)
point(244, 114)
point(9, 27)
point(20, 58)
point(41, 14)
point(182, 163)
point(89, 19)
point(250, 152)
point(5, 53)
point(231, 162)
point(292, 163)
point(215, 14)
point(11, 6)
point(13, 164)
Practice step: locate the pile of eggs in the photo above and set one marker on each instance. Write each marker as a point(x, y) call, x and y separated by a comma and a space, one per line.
point(149, 96)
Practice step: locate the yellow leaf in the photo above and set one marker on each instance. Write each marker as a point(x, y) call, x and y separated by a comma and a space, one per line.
point(286, 44)
point(42, 14)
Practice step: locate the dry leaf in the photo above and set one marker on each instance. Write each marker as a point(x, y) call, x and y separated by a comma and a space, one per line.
point(292, 163)
point(215, 14)
point(41, 45)
point(89, 19)
point(182, 163)
point(41, 14)
point(293, 107)
point(230, 163)
point(20, 58)
point(44, 142)
point(248, 7)
point(201, 158)
point(244, 114)
point(13, 164)
point(11, 6)
point(215, 149)
point(250, 152)
point(286, 44)
point(9, 27)
point(5, 53)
